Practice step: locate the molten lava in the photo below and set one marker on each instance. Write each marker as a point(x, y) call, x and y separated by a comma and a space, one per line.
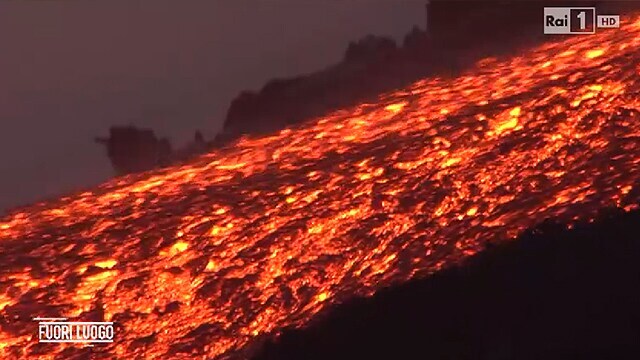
point(207, 258)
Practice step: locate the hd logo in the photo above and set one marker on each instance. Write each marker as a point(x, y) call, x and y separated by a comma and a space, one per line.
point(565, 20)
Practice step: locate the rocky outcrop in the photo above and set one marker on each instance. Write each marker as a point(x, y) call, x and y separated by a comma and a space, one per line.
point(370, 65)
point(283, 102)
point(370, 49)
point(131, 149)
point(460, 32)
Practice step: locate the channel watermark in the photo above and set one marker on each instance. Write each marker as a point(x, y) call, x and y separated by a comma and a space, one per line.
point(577, 20)
point(59, 330)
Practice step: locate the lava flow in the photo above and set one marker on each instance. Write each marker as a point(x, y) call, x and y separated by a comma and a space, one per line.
point(208, 258)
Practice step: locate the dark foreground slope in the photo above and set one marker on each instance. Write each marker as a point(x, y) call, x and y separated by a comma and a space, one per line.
point(552, 294)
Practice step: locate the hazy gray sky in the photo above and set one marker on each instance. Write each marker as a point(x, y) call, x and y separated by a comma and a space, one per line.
point(70, 69)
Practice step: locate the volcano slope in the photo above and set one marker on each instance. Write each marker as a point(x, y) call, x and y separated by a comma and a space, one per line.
point(552, 294)
point(210, 258)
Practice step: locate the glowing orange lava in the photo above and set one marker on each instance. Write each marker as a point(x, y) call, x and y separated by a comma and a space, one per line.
point(205, 259)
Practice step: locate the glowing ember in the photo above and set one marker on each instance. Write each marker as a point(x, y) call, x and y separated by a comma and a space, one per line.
point(204, 258)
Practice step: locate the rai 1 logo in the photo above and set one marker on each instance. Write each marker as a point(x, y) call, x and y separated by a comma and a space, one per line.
point(576, 20)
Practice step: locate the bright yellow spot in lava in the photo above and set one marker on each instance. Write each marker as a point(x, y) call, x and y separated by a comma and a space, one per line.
point(180, 246)
point(395, 108)
point(101, 276)
point(210, 265)
point(506, 125)
point(106, 264)
point(322, 296)
point(176, 248)
point(451, 161)
point(235, 166)
point(216, 230)
point(315, 229)
point(567, 53)
point(591, 54)
point(472, 211)
point(4, 301)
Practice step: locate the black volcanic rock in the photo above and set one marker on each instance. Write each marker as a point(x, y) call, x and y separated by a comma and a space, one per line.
point(131, 149)
point(370, 49)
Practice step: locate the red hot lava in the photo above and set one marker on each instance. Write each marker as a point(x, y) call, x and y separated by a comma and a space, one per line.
point(207, 258)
